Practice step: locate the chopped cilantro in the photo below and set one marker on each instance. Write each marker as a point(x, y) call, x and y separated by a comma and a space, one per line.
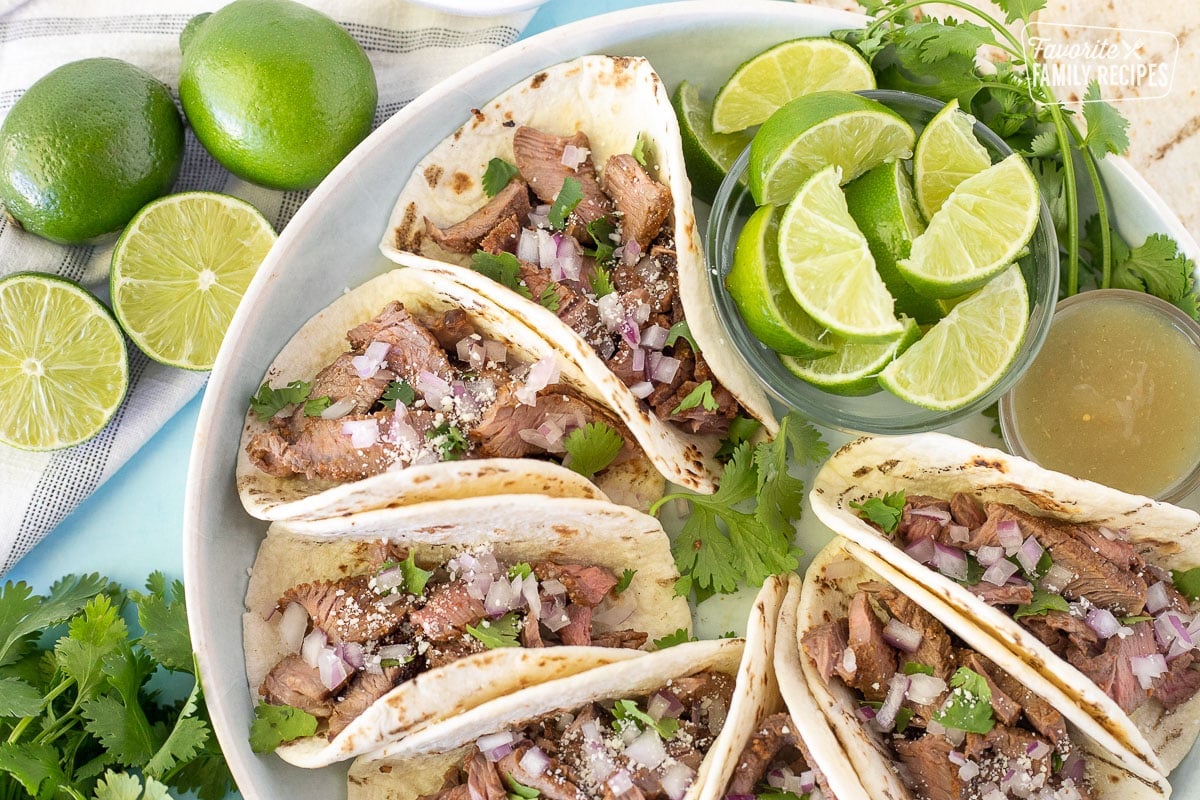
point(969, 707)
point(916, 667)
point(1043, 603)
point(497, 175)
point(549, 298)
point(702, 394)
point(1135, 620)
point(395, 662)
point(624, 581)
point(503, 268)
point(314, 407)
point(268, 402)
point(601, 281)
point(903, 717)
point(884, 511)
point(568, 197)
point(398, 392)
point(741, 429)
point(1187, 581)
point(449, 440)
point(639, 150)
point(728, 635)
point(678, 636)
point(498, 632)
point(975, 571)
point(415, 578)
point(520, 790)
point(602, 230)
point(591, 448)
point(628, 713)
point(273, 725)
point(679, 329)
point(521, 569)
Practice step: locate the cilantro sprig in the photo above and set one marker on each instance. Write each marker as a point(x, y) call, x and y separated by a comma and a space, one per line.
point(77, 715)
point(743, 533)
point(1043, 603)
point(591, 448)
point(969, 707)
point(497, 175)
point(564, 203)
point(624, 581)
point(701, 395)
point(495, 633)
point(938, 58)
point(268, 402)
point(503, 268)
point(626, 712)
point(677, 636)
point(884, 511)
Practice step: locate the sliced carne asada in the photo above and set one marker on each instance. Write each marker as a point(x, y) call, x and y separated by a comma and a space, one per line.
point(826, 646)
point(292, 682)
point(539, 158)
point(776, 757)
point(875, 661)
point(348, 610)
point(464, 237)
point(643, 204)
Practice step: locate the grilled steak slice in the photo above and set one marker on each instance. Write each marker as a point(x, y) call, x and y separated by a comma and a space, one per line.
point(364, 689)
point(965, 510)
point(531, 632)
point(702, 687)
point(340, 379)
point(498, 433)
point(449, 328)
point(503, 238)
point(579, 630)
point(914, 527)
point(348, 610)
point(1058, 630)
point(1003, 746)
point(292, 682)
point(317, 448)
point(1043, 717)
point(651, 280)
point(1111, 670)
point(1006, 709)
point(586, 585)
point(875, 661)
point(483, 779)
point(550, 784)
point(935, 649)
point(440, 654)
point(465, 236)
point(413, 349)
point(826, 646)
point(628, 639)
point(447, 613)
point(932, 772)
point(539, 158)
point(772, 735)
point(1010, 594)
point(1180, 684)
point(643, 204)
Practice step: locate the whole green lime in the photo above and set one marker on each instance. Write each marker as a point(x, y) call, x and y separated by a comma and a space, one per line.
point(86, 147)
point(277, 92)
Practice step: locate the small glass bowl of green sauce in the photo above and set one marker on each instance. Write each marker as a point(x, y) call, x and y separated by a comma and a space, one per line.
point(1111, 396)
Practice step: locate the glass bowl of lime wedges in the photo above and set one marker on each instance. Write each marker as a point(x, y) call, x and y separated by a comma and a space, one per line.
point(882, 262)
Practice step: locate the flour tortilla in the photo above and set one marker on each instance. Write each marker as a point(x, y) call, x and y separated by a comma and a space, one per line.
point(830, 583)
point(567, 530)
point(321, 339)
point(416, 766)
point(940, 465)
point(614, 100)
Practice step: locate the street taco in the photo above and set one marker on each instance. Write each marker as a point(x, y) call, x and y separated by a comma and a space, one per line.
point(584, 229)
point(593, 735)
point(384, 623)
point(927, 708)
point(1073, 577)
point(411, 388)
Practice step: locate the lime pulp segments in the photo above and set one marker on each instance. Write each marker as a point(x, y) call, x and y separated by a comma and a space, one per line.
point(947, 153)
point(853, 367)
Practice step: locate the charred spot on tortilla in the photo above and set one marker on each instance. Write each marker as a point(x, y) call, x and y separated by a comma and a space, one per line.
point(461, 183)
point(889, 465)
point(861, 472)
point(408, 233)
point(538, 80)
point(987, 463)
point(433, 174)
point(477, 117)
point(509, 123)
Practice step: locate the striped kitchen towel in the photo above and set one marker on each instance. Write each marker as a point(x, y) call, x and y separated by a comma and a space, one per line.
point(411, 47)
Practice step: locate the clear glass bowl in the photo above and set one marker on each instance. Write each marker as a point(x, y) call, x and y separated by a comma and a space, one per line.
point(882, 412)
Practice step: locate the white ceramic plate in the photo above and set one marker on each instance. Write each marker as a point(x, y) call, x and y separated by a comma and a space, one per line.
point(330, 246)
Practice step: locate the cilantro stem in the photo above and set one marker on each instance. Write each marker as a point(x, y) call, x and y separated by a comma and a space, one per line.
point(1016, 49)
point(1089, 162)
point(1071, 195)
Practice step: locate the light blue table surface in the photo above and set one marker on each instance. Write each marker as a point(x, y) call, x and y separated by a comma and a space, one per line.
point(133, 525)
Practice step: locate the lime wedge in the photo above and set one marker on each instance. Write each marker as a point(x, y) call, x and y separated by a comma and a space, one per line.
point(846, 130)
point(881, 203)
point(828, 266)
point(63, 365)
point(947, 153)
point(758, 288)
point(854, 366)
point(707, 155)
point(179, 271)
point(978, 231)
point(963, 356)
point(786, 71)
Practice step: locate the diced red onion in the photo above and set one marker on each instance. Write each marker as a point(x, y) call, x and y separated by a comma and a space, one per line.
point(849, 661)
point(1009, 534)
point(662, 368)
point(958, 533)
point(630, 252)
point(629, 332)
point(1110, 534)
point(1147, 668)
point(932, 512)
point(374, 357)
point(968, 771)
point(527, 246)
point(611, 615)
point(777, 777)
point(548, 253)
point(989, 555)
point(573, 156)
point(647, 749)
point(432, 387)
point(498, 753)
point(570, 257)
point(901, 636)
point(807, 781)
point(496, 352)
point(1038, 749)
point(642, 389)
point(555, 617)
point(400, 652)
point(311, 647)
point(499, 599)
point(332, 670)
point(654, 337)
point(866, 713)
point(292, 625)
point(386, 581)
point(638, 362)
point(1157, 597)
point(740, 797)
point(1029, 554)
point(676, 780)
point(664, 704)
point(1057, 578)
point(641, 313)
point(950, 561)
point(925, 689)
point(1074, 767)
point(1103, 622)
point(885, 717)
point(350, 652)
point(999, 573)
point(535, 761)
point(529, 591)
point(956, 757)
point(954, 736)
point(491, 741)
point(921, 550)
point(362, 432)
point(553, 586)
point(542, 373)
point(599, 762)
point(339, 409)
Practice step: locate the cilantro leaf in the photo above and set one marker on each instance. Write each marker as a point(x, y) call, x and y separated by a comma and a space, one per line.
point(591, 448)
point(314, 407)
point(495, 633)
point(1043, 603)
point(624, 581)
point(933, 40)
point(91, 638)
point(603, 233)
point(415, 578)
point(497, 175)
point(398, 392)
point(273, 725)
point(969, 707)
point(23, 614)
point(520, 790)
point(741, 429)
point(185, 740)
point(123, 786)
point(503, 268)
point(549, 298)
point(568, 197)
point(31, 765)
point(780, 495)
point(679, 329)
point(702, 394)
point(1158, 267)
point(917, 668)
point(884, 511)
point(522, 570)
point(600, 281)
point(449, 440)
point(268, 402)
point(18, 698)
point(628, 713)
point(903, 717)
point(639, 150)
point(163, 616)
point(678, 636)
point(1106, 128)
point(1019, 9)
point(1187, 581)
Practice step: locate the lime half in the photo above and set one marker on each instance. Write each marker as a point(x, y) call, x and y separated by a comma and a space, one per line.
point(707, 155)
point(980, 229)
point(828, 266)
point(63, 365)
point(854, 366)
point(947, 153)
point(846, 130)
point(963, 356)
point(758, 288)
point(179, 271)
point(786, 71)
